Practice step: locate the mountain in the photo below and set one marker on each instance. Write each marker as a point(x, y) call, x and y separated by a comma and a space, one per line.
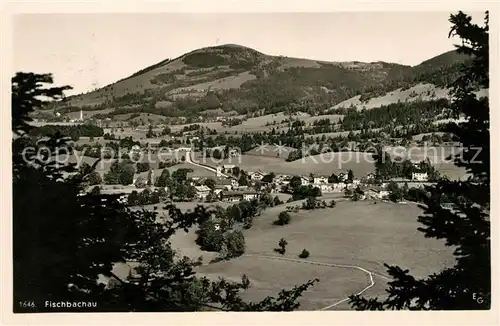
point(237, 78)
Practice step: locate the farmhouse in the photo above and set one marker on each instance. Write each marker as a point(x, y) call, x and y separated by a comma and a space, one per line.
point(339, 186)
point(282, 177)
point(226, 168)
point(257, 176)
point(376, 193)
point(183, 149)
point(123, 199)
point(419, 176)
point(371, 193)
point(343, 176)
point(232, 196)
point(370, 176)
point(326, 188)
point(136, 149)
point(383, 194)
point(320, 180)
point(233, 152)
point(305, 181)
point(202, 192)
point(227, 184)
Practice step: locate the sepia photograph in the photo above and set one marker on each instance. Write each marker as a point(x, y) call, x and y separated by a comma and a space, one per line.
point(250, 162)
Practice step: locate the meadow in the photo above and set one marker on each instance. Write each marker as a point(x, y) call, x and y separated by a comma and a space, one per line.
point(356, 234)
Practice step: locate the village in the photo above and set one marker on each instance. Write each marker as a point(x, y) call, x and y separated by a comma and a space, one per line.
point(226, 186)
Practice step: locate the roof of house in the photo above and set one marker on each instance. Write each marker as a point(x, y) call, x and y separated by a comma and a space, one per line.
point(257, 172)
point(239, 193)
point(202, 188)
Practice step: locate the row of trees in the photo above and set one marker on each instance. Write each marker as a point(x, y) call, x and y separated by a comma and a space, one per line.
point(73, 132)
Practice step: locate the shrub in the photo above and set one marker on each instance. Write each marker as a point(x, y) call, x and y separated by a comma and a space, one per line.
point(235, 243)
point(142, 167)
point(304, 254)
point(210, 236)
point(282, 246)
point(283, 218)
point(94, 178)
point(310, 203)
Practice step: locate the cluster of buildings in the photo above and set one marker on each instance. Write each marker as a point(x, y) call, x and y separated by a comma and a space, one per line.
point(224, 190)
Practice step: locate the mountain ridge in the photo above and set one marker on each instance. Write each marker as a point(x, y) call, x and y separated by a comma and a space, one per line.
point(239, 78)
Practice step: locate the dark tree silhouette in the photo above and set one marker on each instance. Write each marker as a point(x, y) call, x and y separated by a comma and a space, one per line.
point(466, 285)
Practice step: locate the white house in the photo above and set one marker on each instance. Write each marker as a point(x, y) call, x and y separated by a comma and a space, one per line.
point(183, 149)
point(228, 168)
point(202, 191)
point(342, 176)
point(370, 176)
point(249, 195)
point(320, 180)
point(136, 149)
point(281, 178)
point(233, 196)
point(338, 187)
point(257, 176)
point(327, 188)
point(356, 182)
point(383, 194)
point(419, 176)
point(234, 152)
point(305, 181)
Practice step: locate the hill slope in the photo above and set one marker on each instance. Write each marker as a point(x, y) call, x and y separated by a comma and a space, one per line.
point(237, 78)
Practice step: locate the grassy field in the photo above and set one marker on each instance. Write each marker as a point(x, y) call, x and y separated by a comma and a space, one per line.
point(422, 92)
point(438, 156)
point(361, 234)
point(355, 235)
point(323, 164)
point(271, 151)
point(197, 171)
point(246, 162)
point(327, 163)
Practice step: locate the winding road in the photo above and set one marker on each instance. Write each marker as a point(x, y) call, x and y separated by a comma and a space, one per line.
point(305, 261)
point(206, 167)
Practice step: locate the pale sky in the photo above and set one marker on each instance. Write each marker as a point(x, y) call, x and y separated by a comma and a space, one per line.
point(92, 50)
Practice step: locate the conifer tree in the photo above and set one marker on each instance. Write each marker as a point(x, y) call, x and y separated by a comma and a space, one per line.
point(467, 284)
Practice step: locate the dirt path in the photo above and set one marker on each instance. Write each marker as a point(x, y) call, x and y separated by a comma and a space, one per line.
point(306, 261)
